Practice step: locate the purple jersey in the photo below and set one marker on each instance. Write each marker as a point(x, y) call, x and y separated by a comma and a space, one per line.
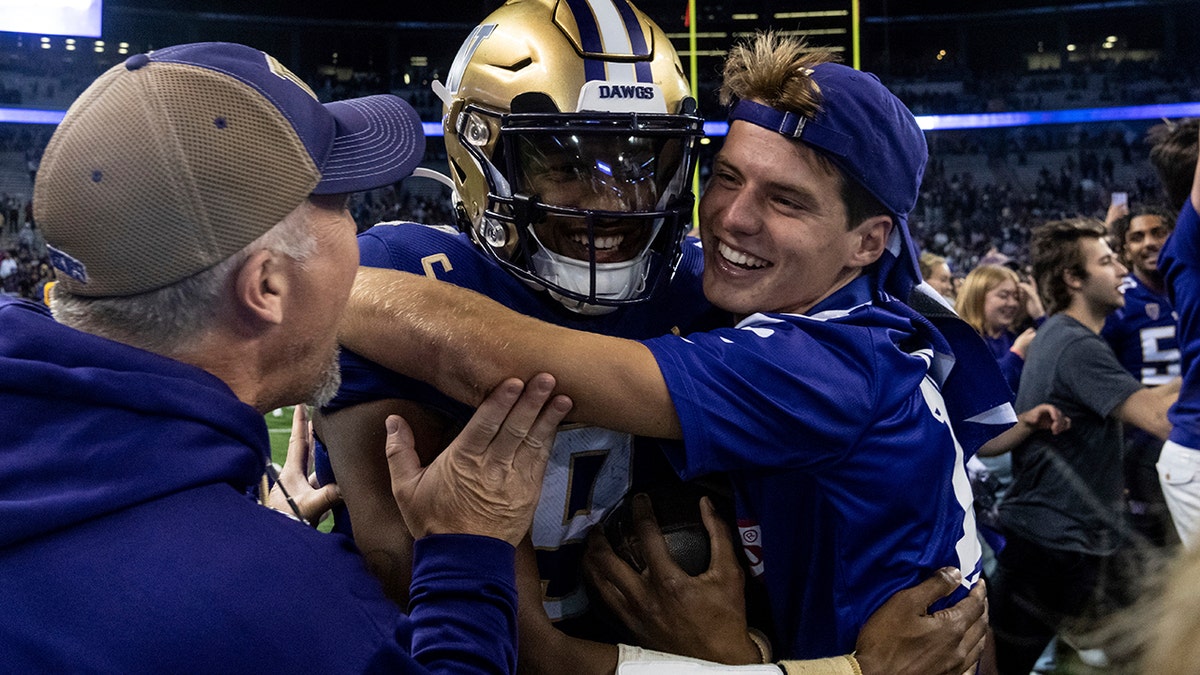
point(1142, 334)
point(849, 480)
point(1180, 265)
point(590, 468)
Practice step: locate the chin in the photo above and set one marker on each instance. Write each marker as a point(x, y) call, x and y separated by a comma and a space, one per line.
point(323, 391)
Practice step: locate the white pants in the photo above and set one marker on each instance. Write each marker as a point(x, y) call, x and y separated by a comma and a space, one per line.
point(1179, 472)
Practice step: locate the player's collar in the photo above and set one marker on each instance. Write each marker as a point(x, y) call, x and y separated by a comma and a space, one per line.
point(853, 294)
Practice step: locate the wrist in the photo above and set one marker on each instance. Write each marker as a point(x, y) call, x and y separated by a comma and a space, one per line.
point(761, 645)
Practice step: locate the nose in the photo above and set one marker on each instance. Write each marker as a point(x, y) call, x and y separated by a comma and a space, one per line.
point(736, 208)
point(1122, 270)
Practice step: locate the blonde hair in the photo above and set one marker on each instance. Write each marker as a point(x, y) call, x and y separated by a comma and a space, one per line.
point(774, 70)
point(928, 262)
point(975, 287)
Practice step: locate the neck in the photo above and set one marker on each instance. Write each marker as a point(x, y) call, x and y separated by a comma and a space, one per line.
point(1153, 281)
point(1086, 315)
point(235, 365)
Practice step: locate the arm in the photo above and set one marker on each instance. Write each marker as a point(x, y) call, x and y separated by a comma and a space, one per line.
point(354, 438)
point(1021, 343)
point(465, 344)
point(1033, 302)
point(1147, 408)
point(705, 617)
point(543, 647)
point(1040, 417)
point(1115, 211)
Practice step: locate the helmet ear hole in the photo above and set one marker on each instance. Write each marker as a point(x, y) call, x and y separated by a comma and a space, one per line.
point(459, 174)
point(462, 218)
point(533, 102)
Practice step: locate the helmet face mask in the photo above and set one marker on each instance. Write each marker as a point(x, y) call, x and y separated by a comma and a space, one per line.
point(590, 204)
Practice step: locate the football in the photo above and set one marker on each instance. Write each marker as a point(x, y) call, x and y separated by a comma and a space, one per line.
point(677, 509)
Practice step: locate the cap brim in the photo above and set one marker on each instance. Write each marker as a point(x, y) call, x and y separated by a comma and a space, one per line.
point(379, 142)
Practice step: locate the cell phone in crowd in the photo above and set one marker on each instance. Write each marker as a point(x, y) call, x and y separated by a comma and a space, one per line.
point(1120, 198)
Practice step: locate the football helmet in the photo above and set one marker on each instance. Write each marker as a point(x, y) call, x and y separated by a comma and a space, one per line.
point(571, 136)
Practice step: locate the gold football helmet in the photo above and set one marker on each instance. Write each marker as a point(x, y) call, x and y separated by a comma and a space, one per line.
point(571, 137)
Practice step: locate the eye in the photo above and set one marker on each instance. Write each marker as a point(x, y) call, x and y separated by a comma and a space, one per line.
point(724, 178)
point(789, 204)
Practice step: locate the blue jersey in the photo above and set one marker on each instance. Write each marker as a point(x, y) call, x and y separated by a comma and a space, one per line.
point(850, 483)
point(1142, 334)
point(1010, 363)
point(1180, 265)
point(590, 468)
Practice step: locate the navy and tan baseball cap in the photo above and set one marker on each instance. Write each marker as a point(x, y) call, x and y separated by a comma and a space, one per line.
point(177, 159)
point(874, 140)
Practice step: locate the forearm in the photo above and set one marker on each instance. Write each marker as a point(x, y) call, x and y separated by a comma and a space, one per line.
point(465, 344)
point(354, 440)
point(1006, 441)
point(413, 326)
point(543, 647)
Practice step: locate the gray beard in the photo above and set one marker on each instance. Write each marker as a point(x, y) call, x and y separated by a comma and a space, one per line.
point(329, 383)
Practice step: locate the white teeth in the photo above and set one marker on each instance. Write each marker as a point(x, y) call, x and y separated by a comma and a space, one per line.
point(602, 243)
point(739, 258)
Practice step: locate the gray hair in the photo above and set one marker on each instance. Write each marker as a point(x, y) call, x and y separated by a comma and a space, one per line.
point(172, 319)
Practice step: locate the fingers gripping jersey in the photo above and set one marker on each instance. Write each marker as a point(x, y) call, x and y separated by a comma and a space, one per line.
point(590, 468)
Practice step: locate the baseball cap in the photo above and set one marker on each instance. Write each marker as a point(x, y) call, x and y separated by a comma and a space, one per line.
point(874, 140)
point(178, 158)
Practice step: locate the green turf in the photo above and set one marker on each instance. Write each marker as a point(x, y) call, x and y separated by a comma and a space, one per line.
point(280, 427)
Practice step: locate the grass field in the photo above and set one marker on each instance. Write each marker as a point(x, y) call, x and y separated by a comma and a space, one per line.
point(279, 424)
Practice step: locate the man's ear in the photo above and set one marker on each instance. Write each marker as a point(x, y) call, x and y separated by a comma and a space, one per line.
point(260, 286)
point(871, 237)
point(1072, 280)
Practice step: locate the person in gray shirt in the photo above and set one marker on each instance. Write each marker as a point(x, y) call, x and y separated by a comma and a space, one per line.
point(1064, 516)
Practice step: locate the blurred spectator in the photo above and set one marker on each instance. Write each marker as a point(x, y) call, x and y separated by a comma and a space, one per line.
point(936, 273)
point(989, 300)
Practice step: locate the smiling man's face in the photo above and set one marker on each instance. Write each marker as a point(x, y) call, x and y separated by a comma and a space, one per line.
point(773, 225)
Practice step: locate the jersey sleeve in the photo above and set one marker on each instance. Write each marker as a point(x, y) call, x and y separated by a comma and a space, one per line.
point(1180, 264)
point(464, 603)
point(763, 397)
